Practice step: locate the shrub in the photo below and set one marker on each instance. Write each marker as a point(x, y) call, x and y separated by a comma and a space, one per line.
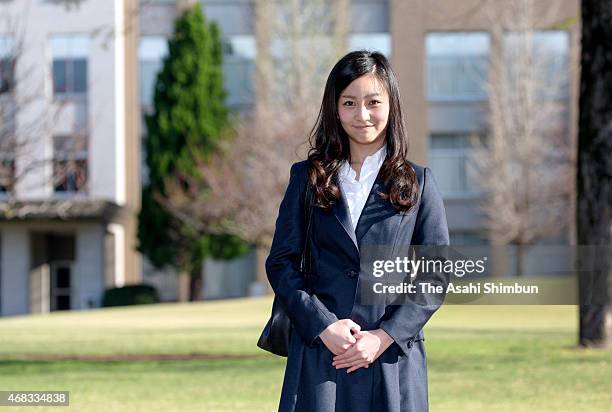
point(130, 295)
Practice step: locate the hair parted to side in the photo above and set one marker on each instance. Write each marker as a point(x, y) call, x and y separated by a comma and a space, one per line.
point(329, 143)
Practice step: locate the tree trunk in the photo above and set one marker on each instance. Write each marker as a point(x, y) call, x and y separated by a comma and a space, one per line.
point(594, 175)
point(183, 286)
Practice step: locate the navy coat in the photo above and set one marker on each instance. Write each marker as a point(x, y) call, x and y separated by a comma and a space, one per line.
point(397, 380)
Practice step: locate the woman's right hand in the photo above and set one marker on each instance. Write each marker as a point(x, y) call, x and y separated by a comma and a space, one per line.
point(337, 337)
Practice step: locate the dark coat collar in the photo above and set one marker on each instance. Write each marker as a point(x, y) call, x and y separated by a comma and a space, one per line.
point(375, 210)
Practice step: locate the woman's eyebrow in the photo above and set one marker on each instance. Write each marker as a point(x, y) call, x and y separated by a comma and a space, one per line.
point(353, 97)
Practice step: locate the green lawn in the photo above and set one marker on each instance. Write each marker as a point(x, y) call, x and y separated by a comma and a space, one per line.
point(481, 358)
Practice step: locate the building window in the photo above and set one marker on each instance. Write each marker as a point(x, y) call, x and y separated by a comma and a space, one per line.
point(7, 173)
point(234, 17)
point(467, 238)
point(369, 16)
point(69, 64)
point(547, 54)
point(7, 64)
point(239, 69)
point(7, 74)
point(380, 42)
point(457, 66)
point(151, 53)
point(60, 280)
point(449, 158)
point(69, 76)
point(70, 163)
point(369, 26)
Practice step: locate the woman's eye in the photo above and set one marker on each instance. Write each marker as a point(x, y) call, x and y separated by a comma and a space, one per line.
point(348, 103)
point(375, 101)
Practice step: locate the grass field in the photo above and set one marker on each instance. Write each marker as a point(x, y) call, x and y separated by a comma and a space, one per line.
point(480, 358)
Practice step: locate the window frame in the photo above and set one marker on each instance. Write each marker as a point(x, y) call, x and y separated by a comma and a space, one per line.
point(62, 157)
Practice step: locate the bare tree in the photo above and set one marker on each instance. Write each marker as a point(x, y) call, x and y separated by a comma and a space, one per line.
point(240, 187)
point(524, 166)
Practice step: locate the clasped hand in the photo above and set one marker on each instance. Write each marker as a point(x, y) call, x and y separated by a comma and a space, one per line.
point(353, 348)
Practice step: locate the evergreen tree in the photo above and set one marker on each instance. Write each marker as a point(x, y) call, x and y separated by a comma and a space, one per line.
point(188, 119)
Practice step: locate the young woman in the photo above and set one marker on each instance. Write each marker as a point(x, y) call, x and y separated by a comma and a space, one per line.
point(345, 355)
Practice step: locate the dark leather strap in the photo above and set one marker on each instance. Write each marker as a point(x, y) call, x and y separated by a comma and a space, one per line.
point(306, 262)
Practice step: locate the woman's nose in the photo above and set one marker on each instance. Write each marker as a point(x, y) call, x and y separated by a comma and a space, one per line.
point(363, 113)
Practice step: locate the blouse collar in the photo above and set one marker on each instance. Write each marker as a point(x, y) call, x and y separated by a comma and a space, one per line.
point(371, 164)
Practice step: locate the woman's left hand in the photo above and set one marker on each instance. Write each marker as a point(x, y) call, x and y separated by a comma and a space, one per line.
point(369, 346)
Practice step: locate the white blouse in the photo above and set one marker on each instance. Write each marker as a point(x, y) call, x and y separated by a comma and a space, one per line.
point(356, 191)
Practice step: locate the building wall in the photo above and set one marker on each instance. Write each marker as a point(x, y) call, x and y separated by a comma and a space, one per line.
point(112, 111)
point(132, 161)
point(39, 279)
point(88, 266)
point(14, 268)
point(411, 20)
point(34, 81)
point(235, 278)
point(26, 262)
point(411, 23)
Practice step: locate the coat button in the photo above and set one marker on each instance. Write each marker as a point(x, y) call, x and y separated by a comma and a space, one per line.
point(352, 273)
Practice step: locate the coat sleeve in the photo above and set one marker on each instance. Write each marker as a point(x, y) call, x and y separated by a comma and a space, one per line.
point(431, 229)
point(307, 313)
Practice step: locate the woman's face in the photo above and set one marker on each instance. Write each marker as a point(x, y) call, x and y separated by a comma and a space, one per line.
point(363, 109)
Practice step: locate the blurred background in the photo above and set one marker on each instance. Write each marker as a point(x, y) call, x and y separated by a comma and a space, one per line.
point(145, 147)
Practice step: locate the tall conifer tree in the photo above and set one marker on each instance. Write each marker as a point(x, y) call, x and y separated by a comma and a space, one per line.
point(187, 121)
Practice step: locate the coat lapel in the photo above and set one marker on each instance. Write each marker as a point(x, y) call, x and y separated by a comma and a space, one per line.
point(341, 211)
point(375, 210)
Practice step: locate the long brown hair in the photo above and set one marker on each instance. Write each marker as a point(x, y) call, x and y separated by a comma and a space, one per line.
point(329, 143)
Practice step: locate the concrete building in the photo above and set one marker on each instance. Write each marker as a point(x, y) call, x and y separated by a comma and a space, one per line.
point(71, 189)
point(441, 51)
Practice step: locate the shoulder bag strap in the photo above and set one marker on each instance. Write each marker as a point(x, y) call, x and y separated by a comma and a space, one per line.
point(305, 263)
